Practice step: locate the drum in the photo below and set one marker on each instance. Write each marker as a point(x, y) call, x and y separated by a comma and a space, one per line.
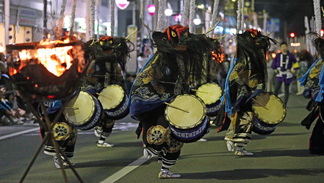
point(187, 117)
point(269, 112)
point(84, 111)
point(210, 93)
point(61, 131)
point(114, 101)
point(65, 135)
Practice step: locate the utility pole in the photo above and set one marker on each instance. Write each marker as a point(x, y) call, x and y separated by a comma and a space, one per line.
point(7, 14)
point(45, 14)
point(265, 17)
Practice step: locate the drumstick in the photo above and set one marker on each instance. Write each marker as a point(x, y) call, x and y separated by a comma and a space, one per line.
point(176, 107)
point(103, 96)
point(259, 103)
point(199, 91)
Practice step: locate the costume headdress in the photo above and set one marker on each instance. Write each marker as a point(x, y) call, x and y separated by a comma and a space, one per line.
point(110, 49)
point(252, 46)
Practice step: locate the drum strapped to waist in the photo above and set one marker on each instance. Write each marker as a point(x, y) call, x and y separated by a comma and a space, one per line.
point(187, 117)
point(61, 131)
point(114, 101)
point(210, 93)
point(84, 111)
point(65, 135)
point(269, 112)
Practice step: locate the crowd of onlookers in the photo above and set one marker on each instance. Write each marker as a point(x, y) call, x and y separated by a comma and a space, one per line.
point(13, 110)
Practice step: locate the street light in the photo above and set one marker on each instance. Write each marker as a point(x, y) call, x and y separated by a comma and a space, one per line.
point(201, 6)
point(197, 20)
point(168, 12)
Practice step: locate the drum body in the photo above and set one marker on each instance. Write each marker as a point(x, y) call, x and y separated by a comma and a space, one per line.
point(114, 101)
point(269, 112)
point(187, 117)
point(84, 111)
point(210, 93)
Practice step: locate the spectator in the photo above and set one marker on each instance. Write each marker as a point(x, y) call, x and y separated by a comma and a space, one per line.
point(11, 100)
point(4, 78)
point(284, 70)
point(7, 114)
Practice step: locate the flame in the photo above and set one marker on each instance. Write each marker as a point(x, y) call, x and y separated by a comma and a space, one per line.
point(56, 59)
point(219, 57)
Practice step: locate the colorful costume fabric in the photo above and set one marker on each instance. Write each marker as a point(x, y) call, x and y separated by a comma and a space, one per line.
point(313, 82)
point(179, 65)
point(65, 141)
point(109, 56)
point(246, 79)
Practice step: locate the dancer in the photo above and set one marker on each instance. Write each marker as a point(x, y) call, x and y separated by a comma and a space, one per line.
point(313, 83)
point(109, 55)
point(64, 133)
point(177, 66)
point(246, 79)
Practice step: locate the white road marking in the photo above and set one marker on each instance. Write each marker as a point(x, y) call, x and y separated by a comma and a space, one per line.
point(116, 176)
point(18, 133)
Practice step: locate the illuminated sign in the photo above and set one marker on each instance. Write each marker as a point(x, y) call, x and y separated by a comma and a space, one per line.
point(295, 44)
point(122, 4)
point(151, 9)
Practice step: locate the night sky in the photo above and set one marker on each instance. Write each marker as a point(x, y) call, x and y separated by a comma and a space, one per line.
point(290, 11)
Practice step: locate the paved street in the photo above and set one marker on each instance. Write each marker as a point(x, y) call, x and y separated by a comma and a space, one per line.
point(279, 157)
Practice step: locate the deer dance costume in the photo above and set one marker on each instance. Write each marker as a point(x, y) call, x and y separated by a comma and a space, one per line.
point(313, 81)
point(177, 66)
point(109, 56)
point(245, 80)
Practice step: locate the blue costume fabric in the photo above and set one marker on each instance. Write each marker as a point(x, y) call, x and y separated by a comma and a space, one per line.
point(313, 81)
point(4, 107)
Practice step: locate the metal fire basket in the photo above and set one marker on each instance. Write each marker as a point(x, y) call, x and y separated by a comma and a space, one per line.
point(35, 80)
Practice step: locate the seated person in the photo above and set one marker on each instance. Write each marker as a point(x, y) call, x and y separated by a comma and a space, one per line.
point(7, 114)
point(12, 101)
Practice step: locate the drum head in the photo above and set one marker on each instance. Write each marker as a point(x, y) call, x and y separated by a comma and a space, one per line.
point(185, 111)
point(111, 96)
point(210, 93)
point(272, 110)
point(79, 109)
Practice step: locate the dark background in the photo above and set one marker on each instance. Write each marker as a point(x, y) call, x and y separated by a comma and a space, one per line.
point(290, 12)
